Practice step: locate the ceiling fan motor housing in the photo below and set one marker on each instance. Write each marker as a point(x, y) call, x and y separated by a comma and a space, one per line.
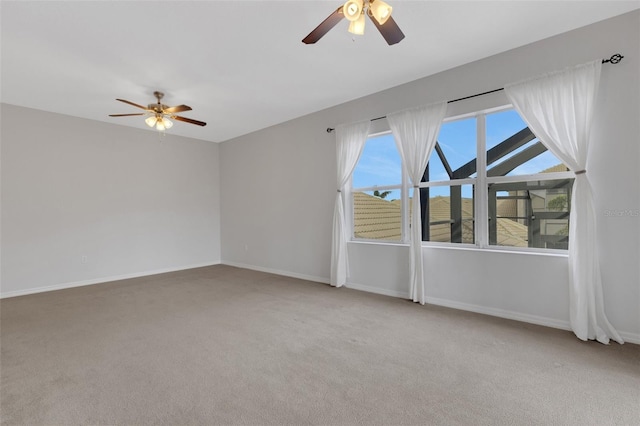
point(158, 107)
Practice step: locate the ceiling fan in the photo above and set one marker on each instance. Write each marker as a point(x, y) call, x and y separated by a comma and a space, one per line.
point(354, 10)
point(158, 114)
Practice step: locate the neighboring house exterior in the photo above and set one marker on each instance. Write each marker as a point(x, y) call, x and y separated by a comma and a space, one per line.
point(375, 218)
point(378, 219)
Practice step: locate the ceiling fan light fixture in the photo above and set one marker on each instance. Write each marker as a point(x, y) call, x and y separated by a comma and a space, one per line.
point(380, 10)
point(151, 121)
point(352, 9)
point(167, 123)
point(357, 26)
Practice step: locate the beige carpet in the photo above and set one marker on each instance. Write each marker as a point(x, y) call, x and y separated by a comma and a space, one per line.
point(226, 346)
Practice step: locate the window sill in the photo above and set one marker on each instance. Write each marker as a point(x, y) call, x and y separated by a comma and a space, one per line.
point(379, 243)
point(469, 247)
point(498, 249)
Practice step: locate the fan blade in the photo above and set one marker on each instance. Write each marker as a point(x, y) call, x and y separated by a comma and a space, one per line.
point(390, 30)
point(324, 27)
point(126, 115)
point(189, 120)
point(131, 103)
point(179, 108)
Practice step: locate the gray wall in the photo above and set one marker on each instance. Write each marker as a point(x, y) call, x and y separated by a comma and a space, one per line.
point(85, 201)
point(278, 187)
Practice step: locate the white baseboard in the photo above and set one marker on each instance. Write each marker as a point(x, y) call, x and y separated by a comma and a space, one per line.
point(377, 290)
point(533, 319)
point(501, 313)
point(101, 280)
point(313, 278)
point(518, 316)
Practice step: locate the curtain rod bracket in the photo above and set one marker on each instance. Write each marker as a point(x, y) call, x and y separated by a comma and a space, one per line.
point(614, 59)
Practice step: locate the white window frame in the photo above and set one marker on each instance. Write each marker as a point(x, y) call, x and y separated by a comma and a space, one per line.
point(482, 230)
point(481, 182)
point(404, 203)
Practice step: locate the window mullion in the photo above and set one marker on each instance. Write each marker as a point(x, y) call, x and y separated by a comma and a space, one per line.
point(454, 182)
point(378, 188)
point(348, 206)
point(405, 205)
point(481, 198)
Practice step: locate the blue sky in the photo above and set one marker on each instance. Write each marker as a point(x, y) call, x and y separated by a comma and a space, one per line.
point(380, 161)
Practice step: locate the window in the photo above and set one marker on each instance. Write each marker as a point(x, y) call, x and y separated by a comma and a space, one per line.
point(528, 205)
point(449, 183)
point(377, 191)
point(489, 182)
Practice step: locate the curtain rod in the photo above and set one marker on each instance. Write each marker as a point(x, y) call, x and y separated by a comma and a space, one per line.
point(614, 59)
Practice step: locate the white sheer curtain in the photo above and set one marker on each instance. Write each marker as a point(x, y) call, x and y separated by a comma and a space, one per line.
point(415, 131)
point(350, 139)
point(558, 108)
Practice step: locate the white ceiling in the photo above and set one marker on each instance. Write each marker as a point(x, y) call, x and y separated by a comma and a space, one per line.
point(241, 65)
